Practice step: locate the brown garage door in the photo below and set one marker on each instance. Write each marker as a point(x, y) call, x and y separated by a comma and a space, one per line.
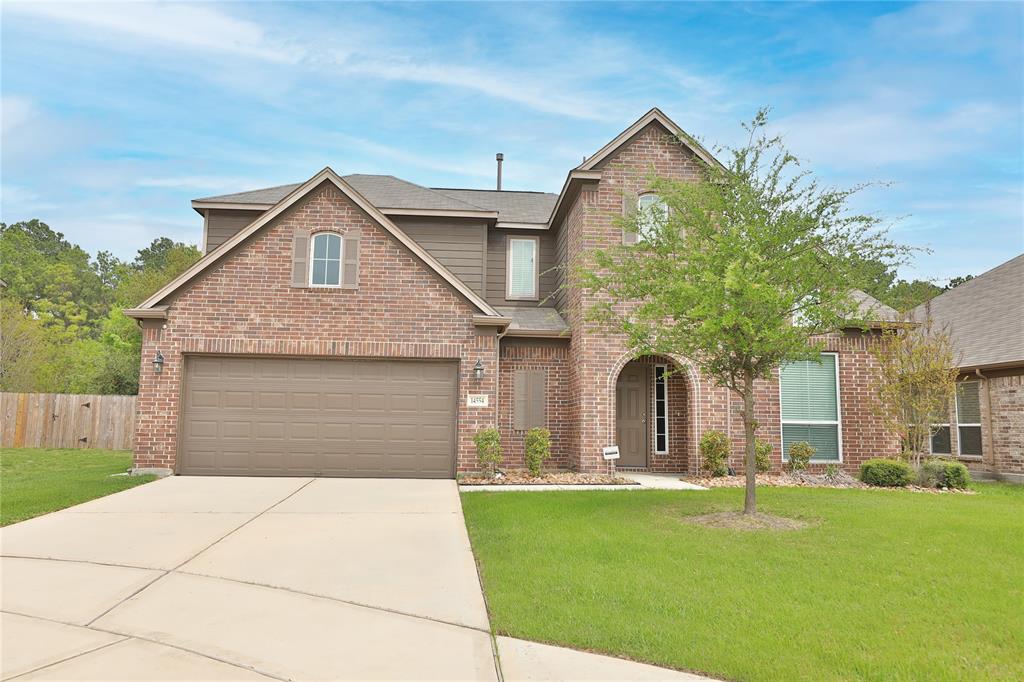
point(291, 417)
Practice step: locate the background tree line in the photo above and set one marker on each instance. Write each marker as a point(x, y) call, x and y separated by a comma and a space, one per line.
point(62, 329)
point(61, 325)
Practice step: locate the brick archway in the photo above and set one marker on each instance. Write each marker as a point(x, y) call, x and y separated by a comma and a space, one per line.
point(692, 397)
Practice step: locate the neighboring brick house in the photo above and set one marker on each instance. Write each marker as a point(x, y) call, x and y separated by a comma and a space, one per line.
point(985, 318)
point(366, 326)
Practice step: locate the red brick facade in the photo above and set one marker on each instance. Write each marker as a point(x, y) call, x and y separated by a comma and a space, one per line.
point(245, 305)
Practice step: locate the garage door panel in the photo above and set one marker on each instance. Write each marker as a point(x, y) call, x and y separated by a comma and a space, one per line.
point(289, 416)
point(305, 401)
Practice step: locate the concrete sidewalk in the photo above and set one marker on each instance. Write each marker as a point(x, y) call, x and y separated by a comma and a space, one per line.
point(262, 578)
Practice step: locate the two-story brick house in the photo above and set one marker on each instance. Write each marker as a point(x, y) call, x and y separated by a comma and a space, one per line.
point(362, 325)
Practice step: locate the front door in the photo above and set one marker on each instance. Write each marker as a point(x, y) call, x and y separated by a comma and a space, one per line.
point(632, 395)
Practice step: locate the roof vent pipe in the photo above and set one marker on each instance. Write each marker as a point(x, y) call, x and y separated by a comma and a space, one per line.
point(499, 157)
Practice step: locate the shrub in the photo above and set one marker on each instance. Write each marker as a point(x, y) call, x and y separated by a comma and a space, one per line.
point(762, 456)
point(488, 450)
point(930, 473)
point(800, 454)
point(831, 472)
point(957, 475)
point(939, 473)
point(890, 473)
point(538, 449)
point(714, 453)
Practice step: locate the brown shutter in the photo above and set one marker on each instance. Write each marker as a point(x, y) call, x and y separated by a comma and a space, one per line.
point(300, 257)
point(350, 260)
point(529, 399)
point(520, 404)
point(628, 209)
point(538, 401)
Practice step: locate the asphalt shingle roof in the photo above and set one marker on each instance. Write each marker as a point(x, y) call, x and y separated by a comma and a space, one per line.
point(870, 309)
point(984, 316)
point(387, 191)
point(513, 207)
point(383, 191)
point(534, 319)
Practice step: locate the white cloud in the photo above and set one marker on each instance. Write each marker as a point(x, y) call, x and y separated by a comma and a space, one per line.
point(882, 130)
point(199, 182)
point(521, 88)
point(183, 25)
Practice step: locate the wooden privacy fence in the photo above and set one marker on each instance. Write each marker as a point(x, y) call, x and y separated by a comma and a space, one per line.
point(59, 420)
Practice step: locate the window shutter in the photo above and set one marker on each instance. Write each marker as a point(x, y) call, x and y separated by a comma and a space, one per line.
point(300, 257)
point(538, 402)
point(520, 401)
point(350, 258)
point(628, 209)
point(529, 399)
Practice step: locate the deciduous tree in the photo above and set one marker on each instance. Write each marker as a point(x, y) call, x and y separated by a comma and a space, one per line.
point(722, 274)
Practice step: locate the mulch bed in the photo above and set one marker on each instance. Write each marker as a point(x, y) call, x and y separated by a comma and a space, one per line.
point(740, 521)
point(553, 478)
point(803, 479)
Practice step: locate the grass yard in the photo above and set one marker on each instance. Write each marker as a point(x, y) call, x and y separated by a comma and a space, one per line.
point(884, 585)
point(37, 481)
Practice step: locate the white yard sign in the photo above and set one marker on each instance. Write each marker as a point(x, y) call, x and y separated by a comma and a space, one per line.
point(611, 452)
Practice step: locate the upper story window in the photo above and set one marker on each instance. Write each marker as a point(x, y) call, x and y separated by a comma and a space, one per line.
point(521, 268)
point(325, 261)
point(651, 213)
point(809, 393)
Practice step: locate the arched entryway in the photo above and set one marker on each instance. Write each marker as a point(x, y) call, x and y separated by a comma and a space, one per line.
point(653, 414)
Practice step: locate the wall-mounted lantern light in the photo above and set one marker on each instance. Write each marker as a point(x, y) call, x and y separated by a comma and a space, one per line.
point(158, 362)
point(478, 370)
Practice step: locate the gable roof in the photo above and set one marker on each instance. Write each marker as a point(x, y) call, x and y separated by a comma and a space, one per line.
point(655, 115)
point(391, 194)
point(984, 317)
point(870, 309)
point(326, 175)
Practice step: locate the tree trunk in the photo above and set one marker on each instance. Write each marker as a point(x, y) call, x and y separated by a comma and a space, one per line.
point(750, 501)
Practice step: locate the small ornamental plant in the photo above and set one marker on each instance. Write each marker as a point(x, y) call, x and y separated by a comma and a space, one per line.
point(762, 456)
point(887, 473)
point(714, 453)
point(800, 454)
point(537, 447)
point(488, 450)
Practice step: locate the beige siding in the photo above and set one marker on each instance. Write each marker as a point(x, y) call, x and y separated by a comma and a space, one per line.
point(222, 224)
point(457, 243)
point(496, 241)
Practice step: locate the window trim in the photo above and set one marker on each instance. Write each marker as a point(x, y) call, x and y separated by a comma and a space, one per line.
point(664, 383)
point(956, 408)
point(838, 423)
point(508, 267)
point(639, 198)
point(341, 260)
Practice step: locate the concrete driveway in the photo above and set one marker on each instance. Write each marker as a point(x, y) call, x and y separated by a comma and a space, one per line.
point(218, 578)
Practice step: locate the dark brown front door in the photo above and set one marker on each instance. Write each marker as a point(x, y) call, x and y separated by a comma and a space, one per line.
point(632, 394)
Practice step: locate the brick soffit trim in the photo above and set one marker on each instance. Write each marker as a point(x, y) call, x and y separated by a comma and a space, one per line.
point(328, 175)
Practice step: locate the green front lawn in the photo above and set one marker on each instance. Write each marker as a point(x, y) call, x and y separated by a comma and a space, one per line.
point(36, 481)
point(884, 585)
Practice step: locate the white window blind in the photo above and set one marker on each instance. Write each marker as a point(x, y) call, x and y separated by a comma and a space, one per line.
point(809, 393)
point(522, 268)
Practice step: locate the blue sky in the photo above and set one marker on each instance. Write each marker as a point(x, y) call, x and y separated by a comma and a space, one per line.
point(116, 115)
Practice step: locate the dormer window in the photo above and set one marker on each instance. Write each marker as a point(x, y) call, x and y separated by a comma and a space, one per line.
point(325, 259)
